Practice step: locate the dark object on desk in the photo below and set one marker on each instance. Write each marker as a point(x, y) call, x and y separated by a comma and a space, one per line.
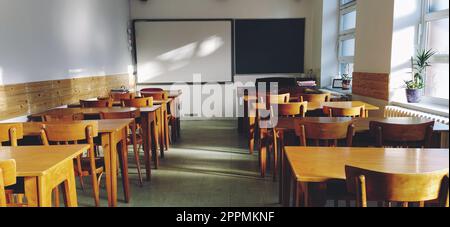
point(122, 89)
point(338, 83)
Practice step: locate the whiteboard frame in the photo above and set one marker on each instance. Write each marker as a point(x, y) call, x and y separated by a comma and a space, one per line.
point(135, 51)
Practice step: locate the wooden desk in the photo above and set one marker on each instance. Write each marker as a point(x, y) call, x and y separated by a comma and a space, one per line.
point(318, 165)
point(311, 107)
point(361, 124)
point(44, 168)
point(150, 115)
point(113, 135)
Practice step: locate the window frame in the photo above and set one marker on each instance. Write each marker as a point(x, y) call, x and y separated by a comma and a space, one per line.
point(426, 17)
point(345, 35)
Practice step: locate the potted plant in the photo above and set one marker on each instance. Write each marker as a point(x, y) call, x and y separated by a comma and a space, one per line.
point(419, 64)
point(346, 82)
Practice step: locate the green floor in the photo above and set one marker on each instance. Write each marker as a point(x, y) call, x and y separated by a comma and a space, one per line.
point(209, 167)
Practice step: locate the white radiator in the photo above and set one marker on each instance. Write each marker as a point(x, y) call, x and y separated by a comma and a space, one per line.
point(396, 111)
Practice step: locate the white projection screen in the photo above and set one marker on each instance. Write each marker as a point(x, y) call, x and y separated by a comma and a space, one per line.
point(172, 51)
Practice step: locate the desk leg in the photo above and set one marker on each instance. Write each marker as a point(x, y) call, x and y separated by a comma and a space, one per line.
point(286, 188)
point(166, 132)
point(123, 160)
point(113, 175)
point(107, 150)
point(44, 192)
point(154, 128)
point(145, 118)
point(31, 191)
point(251, 134)
point(70, 190)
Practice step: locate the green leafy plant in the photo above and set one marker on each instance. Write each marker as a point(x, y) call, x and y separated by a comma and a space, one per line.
point(346, 77)
point(419, 66)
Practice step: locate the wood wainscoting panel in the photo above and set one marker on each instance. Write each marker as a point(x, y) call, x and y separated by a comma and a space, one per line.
point(28, 98)
point(373, 85)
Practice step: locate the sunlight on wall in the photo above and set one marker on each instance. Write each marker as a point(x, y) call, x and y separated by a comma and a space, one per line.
point(210, 45)
point(404, 41)
point(150, 70)
point(406, 8)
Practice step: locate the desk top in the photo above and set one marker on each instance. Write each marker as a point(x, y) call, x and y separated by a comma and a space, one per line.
point(38, 160)
point(104, 126)
point(319, 105)
point(361, 124)
point(320, 164)
point(94, 111)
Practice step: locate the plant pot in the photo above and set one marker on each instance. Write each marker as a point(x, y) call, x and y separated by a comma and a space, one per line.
point(346, 84)
point(414, 95)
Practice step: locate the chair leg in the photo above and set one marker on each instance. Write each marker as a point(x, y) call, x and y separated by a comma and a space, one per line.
point(138, 165)
point(56, 196)
point(275, 157)
point(263, 159)
point(95, 188)
point(82, 183)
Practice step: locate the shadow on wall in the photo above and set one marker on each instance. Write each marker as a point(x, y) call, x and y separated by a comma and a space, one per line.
point(181, 57)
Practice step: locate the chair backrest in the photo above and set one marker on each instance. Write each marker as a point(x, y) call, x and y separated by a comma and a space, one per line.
point(97, 103)
point(160, 95)
point(7, 178)
point(66, 117)
point(118, 115)
point(359, 111)
point(324, 132)
point(122, 96)
point(318, 98)
point(138, 102)
point(11, 133)
point(67, 132)
point(370, 185)
point(402, 135)
point(293, 109)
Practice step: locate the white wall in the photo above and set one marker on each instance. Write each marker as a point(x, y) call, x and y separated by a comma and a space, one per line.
point(59, 39)
point(236, 9)
point(373, 44)
point(374, 22)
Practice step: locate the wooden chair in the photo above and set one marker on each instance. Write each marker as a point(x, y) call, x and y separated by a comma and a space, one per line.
point(368, 185)
point(135, 138)
point(293, 109)
point(160, 95)
point(108, 103)
point(122, 96)
point(272, 139)
point(402, 135)
point(327, 134)
point(69, 117)
point(11, 133)
point(359, 111)
point(7, 178)
point(322, 133)
point(74, 133)
point(138, 102)
point(319, 98)
point(267, 137)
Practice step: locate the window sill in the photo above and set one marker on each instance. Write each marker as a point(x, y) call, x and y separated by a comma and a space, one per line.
point(441, 110)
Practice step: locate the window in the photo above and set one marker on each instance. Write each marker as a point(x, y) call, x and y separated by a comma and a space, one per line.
point(347, 28)
point(435, 36)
